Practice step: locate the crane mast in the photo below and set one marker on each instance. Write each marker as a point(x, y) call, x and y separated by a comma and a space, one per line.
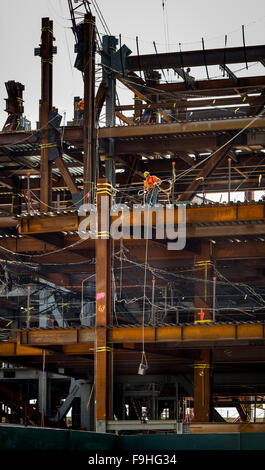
point(77, 13)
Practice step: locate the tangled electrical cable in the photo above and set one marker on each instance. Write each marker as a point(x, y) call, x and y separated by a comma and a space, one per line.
point(160, 274)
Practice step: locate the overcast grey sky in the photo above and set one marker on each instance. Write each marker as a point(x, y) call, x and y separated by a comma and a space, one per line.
point(180, 22)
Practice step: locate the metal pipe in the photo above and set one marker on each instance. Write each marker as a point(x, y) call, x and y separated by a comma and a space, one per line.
point(46, 53)
point(89, 115)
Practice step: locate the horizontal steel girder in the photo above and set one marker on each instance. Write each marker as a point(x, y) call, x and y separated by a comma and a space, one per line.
point(181, 127)
point(208, 86)
point(233, 55)
point(249, 217)
point(74, 134)
point(85, 337)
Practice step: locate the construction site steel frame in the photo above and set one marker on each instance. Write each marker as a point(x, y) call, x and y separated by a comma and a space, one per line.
point(201, 352)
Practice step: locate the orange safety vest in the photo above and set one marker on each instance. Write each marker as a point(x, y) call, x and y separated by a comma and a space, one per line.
point(81, 105)
point(149, 182)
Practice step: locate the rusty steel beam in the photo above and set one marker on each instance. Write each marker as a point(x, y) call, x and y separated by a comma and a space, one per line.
point(14, 105)
point(139, 96)
point(228, 214)
point(39, 338)
point(13, 348)
point(225, 250)
point(186, 334)
point(125, 119)
point(182, 104)
point(69, 222)
point(157, 251)
point(246, 250)
point(74, 134)
point(26, 244)
point(226, 230)
point(207, 169)
point(100, 99)
point(242, 411)
point(89, 106)
point(181, 127)
point(103, 352)
point(68, 178)
point(206, 86)
point(203, 387)
point(8, 222)
point(134, 89)
point(233, 55)
point(45, 108)
point(198, 143)
point(71, 134)
point(189, 334)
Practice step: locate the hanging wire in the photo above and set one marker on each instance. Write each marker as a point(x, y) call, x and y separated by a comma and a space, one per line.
point(208, 38)
point(101, 17)
point(160, 273)
point(144, 359)
point(43, 254)
point(114, 297)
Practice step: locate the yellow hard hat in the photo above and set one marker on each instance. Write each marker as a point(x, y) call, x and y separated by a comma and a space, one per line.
point(146, 173)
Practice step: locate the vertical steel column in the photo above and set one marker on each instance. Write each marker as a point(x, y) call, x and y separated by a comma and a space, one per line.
point(109, 78)
point(89, 106)
point(103, 353)
point(14, 106)
point(46, 53)
point(203, 387)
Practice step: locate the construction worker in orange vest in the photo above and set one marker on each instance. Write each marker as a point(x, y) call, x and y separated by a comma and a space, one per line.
point(151, 185)
point(80, 111)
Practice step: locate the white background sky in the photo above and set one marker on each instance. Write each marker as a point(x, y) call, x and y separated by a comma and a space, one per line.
point(187, 22)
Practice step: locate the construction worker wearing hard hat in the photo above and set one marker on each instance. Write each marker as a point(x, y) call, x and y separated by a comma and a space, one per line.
point(151, 185)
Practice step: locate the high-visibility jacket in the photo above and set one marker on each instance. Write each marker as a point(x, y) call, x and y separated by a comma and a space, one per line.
point(81, 105)
point(150, 182)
